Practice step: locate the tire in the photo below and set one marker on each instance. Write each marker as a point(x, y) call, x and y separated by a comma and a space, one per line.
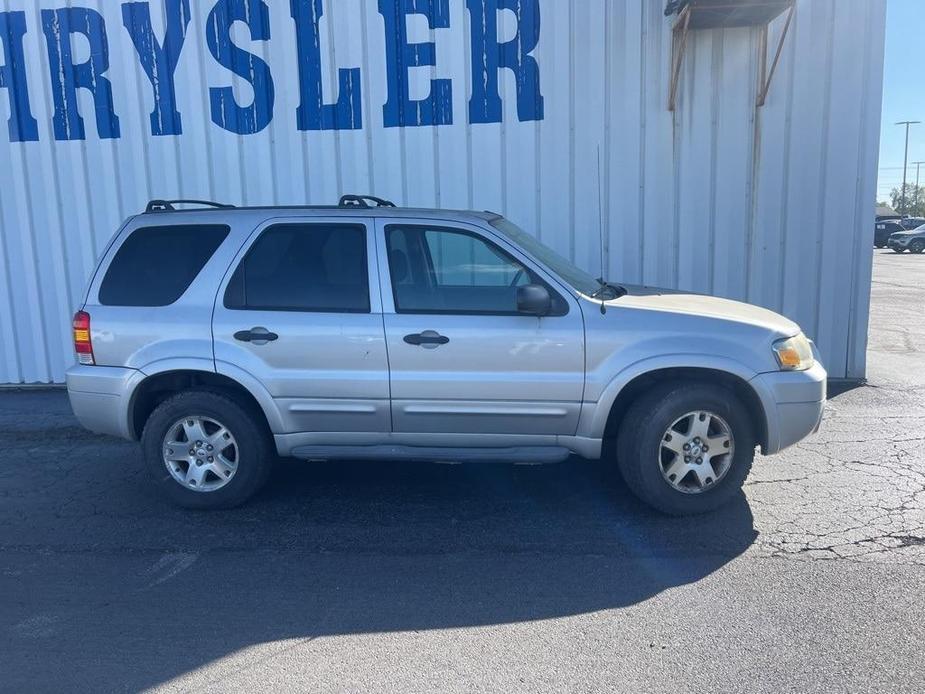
point(917, 246)
point(641, 458)
point(247, 460)
point(897, 249)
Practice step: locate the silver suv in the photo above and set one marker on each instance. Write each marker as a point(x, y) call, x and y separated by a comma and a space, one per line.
point(222, 337)
point(912, 240)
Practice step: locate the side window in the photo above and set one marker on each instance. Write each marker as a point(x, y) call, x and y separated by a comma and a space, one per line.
point(156, 265)
point(452, 271)
point(461, 260)
point(303, 267)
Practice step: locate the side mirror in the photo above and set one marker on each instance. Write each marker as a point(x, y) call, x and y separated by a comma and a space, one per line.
point(534, 300)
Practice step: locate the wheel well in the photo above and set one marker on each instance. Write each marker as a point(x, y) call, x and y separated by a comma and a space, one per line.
point(733, 383)
point(155, 389)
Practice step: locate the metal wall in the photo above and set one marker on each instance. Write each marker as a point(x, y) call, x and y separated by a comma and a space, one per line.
point(771, 205)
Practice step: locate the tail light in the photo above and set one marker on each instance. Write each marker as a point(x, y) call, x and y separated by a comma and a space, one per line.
point(82, 345)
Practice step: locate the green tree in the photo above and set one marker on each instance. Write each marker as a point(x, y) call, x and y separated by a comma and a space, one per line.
point(915, 200)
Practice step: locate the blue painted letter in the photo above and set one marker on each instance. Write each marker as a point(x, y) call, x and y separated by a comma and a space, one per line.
point(225, 111)
point(67, 78)
point(159, 61)
point(488, 56)
point(23, 127)
point(400, 110)
point(313, 113)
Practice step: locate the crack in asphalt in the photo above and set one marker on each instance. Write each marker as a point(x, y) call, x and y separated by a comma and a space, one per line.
point(860, 498)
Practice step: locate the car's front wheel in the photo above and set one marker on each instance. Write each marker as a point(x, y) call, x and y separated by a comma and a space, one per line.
point(917, 246)
point(205, 450)
point(686, 448)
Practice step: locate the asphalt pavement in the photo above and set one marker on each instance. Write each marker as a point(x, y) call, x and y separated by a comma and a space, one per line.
point(389, 577)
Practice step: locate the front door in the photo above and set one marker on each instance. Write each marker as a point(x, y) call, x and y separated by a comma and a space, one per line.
point(462, 359)
point(299, 314)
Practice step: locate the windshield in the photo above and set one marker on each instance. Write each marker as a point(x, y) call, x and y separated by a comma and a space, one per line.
point(568, 271)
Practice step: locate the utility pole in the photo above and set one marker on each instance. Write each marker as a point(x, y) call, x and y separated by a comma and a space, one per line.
point(907, 123)
point(918, 165)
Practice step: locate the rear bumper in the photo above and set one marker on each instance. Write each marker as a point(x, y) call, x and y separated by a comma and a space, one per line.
point(794, 402)
point(100, 397)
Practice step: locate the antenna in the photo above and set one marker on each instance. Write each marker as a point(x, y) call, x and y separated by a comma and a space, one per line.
point(600, 224)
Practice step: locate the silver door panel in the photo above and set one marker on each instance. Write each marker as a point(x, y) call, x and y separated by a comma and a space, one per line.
point(326, 371)
point(497, 374)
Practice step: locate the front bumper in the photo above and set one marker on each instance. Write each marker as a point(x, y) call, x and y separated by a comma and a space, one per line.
point(898, 243)
point(793, 404)
point(100, 397)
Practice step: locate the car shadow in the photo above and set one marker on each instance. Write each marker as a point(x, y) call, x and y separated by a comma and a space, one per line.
point(129, 592)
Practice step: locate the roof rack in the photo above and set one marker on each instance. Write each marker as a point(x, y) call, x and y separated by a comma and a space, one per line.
point(168, 205)
point(363, 201)
point(346, 202)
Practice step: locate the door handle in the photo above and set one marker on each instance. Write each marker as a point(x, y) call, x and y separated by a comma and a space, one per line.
point(428, 339)
point(257, 336)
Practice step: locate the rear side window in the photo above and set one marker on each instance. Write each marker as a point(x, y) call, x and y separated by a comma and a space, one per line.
point(155, 265)
point(304, 267)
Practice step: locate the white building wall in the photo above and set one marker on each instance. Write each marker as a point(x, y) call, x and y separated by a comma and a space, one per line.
point(771, 205)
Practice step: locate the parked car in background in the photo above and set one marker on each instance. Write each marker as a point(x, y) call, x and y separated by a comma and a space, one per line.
point(883, 230)
point(223, 337)
point(913, 241)
point(910, 223)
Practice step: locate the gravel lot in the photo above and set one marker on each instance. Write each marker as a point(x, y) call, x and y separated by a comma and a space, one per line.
point(407, 577)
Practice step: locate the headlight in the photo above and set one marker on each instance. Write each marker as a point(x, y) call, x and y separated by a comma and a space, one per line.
point(794, 353)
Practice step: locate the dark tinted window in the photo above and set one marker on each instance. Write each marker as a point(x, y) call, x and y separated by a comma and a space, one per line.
point(156, 265)
point(304, 267)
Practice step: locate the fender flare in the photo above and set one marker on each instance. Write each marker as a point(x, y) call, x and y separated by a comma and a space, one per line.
point(162, 366)
point(253, 386)
point(238, 375)
point(595, 423)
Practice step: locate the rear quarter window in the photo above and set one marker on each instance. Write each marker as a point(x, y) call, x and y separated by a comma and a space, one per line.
point(156, 265)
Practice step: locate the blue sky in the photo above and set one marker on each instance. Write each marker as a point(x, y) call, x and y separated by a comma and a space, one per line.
point(903, 94)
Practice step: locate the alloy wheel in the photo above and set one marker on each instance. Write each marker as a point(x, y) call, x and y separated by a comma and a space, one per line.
point(200, 453)
point(696, 452)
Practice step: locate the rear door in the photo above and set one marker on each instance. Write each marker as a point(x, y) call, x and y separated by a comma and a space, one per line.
point(463, 360)
point(300, 311)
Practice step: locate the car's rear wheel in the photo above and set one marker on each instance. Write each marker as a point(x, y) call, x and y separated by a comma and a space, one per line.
point(686, 448)
point(917, 246)
point(206, 450)
point(898, 249)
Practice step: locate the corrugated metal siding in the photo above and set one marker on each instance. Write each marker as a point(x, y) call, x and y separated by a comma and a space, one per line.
point(770, 205)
